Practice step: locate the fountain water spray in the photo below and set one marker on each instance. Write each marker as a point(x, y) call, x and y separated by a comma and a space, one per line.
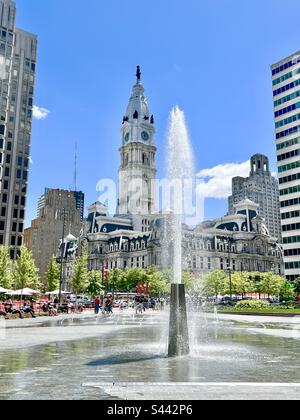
point(180, 168)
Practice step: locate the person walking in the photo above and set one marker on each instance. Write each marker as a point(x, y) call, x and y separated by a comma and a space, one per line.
point(97, 305)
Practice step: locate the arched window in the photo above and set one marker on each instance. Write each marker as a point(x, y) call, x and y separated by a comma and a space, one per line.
point(136, 115)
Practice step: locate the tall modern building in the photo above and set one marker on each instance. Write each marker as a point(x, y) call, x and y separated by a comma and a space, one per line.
point(59, 214)
point(79, 199)
point(286, 96)
point(18, 54)
point(262, 188)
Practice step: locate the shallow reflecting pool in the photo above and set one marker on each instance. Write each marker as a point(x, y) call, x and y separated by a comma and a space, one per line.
point(224, 350)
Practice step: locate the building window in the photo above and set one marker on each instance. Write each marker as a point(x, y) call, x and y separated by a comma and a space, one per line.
point(12, 254)
point(3, 211)
point(13, 241)
point(194, 263)
point(4, 198)
point(2, 225)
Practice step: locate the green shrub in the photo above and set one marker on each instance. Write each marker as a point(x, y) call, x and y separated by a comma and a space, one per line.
point(253, 304)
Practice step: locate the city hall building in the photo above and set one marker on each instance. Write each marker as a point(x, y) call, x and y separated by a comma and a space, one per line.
point(240, 241)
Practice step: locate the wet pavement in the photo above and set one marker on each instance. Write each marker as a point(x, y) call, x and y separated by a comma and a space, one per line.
point(124, 357)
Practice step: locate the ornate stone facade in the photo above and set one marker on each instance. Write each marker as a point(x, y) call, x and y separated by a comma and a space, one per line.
point(240, 241)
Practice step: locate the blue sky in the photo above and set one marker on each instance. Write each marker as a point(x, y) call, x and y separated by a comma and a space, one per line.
point(210, 57)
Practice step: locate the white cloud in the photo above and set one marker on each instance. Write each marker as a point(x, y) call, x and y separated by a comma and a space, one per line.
point(217, 181)
point(40, 113)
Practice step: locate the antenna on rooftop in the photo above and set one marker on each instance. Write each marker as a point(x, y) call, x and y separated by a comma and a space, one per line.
point(75, 168)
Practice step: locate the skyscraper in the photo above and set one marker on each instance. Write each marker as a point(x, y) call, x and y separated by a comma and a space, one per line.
point(58, 211)
point(18, 54)
point(262, 188)
point(286, 95)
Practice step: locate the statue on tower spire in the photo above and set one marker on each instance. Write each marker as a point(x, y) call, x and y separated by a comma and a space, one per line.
point(138, 73)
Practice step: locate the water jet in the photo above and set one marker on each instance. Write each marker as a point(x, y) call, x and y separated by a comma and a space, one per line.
point(180, 168)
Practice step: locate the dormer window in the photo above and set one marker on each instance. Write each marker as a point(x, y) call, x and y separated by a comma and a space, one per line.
point(136, 115)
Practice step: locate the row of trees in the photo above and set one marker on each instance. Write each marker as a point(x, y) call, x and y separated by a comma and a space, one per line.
point(92, 282)
point(217, 283)
point(20, 273)
point(24, 273)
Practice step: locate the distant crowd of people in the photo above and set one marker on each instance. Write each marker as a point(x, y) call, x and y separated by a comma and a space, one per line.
point(140, 304)
point(26, 308)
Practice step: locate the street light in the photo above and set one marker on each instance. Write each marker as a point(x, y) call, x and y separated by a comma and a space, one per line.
point(229, 241)
point(62, 256)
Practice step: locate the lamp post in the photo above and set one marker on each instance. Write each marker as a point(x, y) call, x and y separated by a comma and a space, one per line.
point(229, 242)
point(62, 255)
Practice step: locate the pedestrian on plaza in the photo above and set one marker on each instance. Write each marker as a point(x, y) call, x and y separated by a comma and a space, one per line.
point(11, 310)
point(97, 305)
point(28, 309)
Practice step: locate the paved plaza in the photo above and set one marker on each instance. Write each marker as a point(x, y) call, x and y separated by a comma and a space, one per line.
point(124, 357)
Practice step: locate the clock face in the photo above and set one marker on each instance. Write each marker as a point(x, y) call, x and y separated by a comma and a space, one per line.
point(145, 136)
point(127, 135)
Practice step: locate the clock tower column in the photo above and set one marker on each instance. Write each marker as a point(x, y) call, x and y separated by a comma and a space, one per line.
point(137, 173)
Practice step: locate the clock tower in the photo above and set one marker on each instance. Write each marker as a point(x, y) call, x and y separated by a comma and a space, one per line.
point(137, 173)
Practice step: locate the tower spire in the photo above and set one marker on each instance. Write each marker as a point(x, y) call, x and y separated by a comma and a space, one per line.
point(138, 73)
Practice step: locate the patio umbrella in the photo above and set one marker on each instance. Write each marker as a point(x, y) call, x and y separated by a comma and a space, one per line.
point(56, 293)
point(31, 291)
point(18, 293)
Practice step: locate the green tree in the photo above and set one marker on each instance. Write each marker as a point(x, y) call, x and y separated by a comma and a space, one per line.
point(271, 284)
point(116, 280)
point(25, 272)
point(133, 276)
point(240, 284)
point(5, 268)
point(188, 279)
point(53, 275)
point(287, 292)
point(297, 286)
point(214, 283)
point(79, 280)
point(156, 281)
point(95, 285)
